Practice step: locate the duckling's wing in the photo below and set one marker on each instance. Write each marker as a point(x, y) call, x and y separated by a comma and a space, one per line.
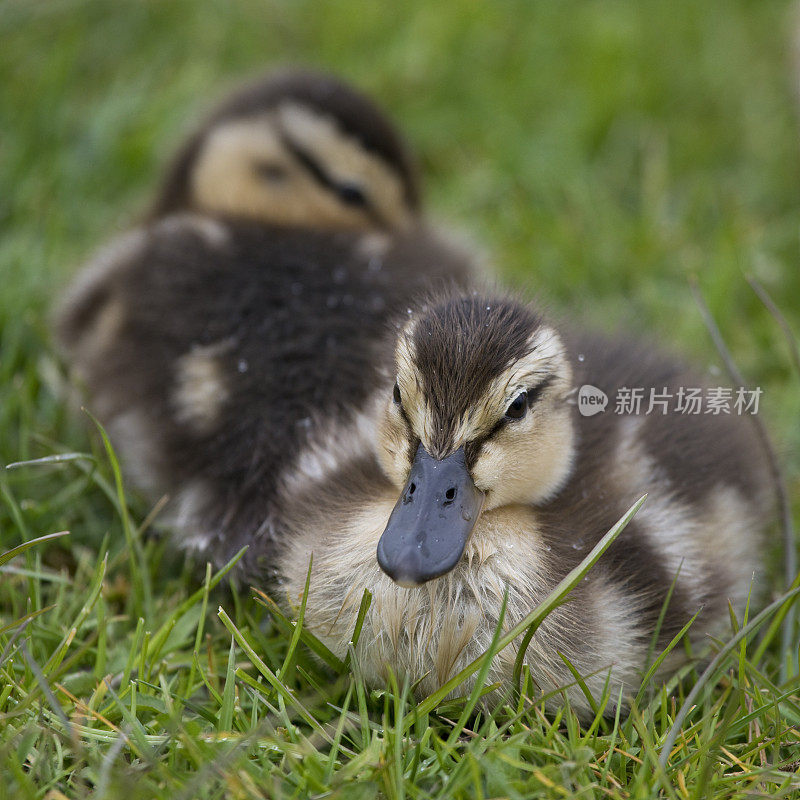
point(706, 479)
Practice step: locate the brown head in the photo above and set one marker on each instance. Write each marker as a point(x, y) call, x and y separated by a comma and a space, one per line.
point(477, 419)
point(296, 148)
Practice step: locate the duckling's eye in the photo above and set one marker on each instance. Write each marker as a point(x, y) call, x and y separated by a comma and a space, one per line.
point(518, 408)
point(396, 394)
point(270, 171)
point(351, 194)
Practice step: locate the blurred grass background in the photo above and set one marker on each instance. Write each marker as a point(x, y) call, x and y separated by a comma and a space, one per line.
point(600, 152)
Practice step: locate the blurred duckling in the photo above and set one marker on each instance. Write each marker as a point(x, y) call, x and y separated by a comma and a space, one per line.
point(504, 486)
point(243, 319)
point(296, 148)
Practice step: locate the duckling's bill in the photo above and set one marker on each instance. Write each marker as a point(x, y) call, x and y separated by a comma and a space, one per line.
point(431, 522)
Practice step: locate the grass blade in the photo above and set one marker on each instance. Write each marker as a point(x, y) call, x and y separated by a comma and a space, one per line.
point(477, 689)
point(660, 660)
point(366, 601)
point(163, 632)
point(56, 458)
point(22, 620)
point(21, 548)
point(319, 648)
point(298, 627)
point(226, 711)
point(270, 676)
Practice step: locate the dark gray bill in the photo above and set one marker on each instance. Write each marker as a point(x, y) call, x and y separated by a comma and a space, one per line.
point(431, 522)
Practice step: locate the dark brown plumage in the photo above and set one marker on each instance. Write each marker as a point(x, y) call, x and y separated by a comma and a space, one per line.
point(215, 343)
point(696, 455)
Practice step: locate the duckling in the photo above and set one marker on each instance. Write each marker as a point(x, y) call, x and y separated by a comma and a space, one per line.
point(504, 487)
point(295, 148)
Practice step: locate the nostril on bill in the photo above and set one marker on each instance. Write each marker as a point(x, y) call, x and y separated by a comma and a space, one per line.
point(450, 495)
point(408, 496)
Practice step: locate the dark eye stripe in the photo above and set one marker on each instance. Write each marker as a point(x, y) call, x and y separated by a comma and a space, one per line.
point(343, 192)
point(310, 165)
point(499, 425)
point(270, 171)
point(533, 395)
point(351, 194)
point(346, 192)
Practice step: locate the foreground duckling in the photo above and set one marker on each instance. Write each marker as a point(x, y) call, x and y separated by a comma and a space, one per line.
point(504, 486)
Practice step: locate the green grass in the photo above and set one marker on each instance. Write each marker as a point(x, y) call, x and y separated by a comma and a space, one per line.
point(604, 154)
